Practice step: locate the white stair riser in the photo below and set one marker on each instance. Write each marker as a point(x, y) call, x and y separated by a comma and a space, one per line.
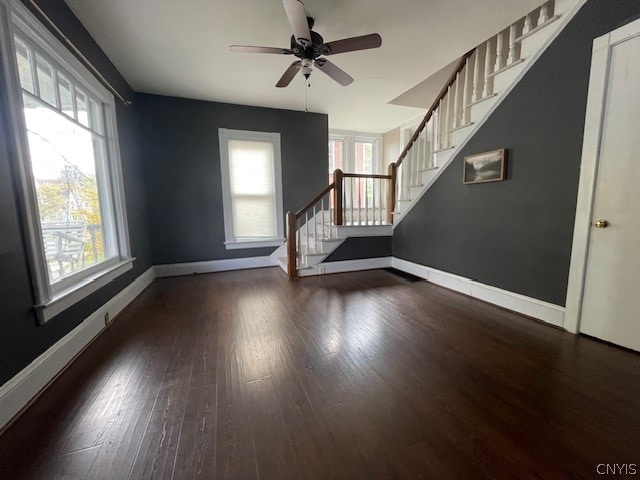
point(443, 157)
point(414, 192)
point(459, 135)
point(480, 110)
point(427, 175)
point(531, 44)
point(503, 79)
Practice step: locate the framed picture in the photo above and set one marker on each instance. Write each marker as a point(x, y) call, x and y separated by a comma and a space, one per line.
point(485, 167)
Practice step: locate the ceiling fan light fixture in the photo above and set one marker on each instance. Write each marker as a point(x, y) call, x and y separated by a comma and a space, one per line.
point(306, 68)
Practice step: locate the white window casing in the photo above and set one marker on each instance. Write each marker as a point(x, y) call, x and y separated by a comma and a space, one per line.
point(73, 87)
point(251, 172)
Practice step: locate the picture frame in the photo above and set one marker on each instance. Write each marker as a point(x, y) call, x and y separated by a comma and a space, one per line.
point(485, 167)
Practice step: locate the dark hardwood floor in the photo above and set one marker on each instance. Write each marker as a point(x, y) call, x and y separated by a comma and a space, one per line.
point(363, 375)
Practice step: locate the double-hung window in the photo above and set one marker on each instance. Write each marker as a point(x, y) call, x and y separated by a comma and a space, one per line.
point(251, 172)
point(64, 130)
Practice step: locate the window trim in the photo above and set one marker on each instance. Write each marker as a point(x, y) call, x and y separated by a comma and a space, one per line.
point(231, 242)
point(49, 301)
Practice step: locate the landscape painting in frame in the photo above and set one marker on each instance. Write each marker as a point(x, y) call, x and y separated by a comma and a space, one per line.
point(485, 167)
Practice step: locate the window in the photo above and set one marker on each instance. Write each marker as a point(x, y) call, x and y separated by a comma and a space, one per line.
point(251, 188)
point(64, 127)
point(355, 152)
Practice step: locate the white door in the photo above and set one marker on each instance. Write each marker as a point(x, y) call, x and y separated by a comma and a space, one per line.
point(611, 299)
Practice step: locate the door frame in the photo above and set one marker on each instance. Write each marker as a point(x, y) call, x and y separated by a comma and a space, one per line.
point(596, 105)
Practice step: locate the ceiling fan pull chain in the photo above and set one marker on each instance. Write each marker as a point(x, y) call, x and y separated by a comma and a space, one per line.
point(306, 99)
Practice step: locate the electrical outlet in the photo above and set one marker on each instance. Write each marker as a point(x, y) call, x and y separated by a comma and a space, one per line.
point(321, 270)
point(107, 319)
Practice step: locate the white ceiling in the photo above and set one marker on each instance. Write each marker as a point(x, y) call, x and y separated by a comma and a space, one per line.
point(180, 48)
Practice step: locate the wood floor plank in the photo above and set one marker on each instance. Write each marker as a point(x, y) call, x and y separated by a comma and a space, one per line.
point(246, 375)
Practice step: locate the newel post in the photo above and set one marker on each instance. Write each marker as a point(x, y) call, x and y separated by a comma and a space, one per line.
point(292, 251)
point(391, 193)
point(338, 207)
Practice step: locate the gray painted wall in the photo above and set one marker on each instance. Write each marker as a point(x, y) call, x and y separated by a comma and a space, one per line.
point(182, 170)
point(517, 234)
point(21, 338)
point(358, 248)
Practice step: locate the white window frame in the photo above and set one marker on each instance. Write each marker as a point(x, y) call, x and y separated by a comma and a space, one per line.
point(52, 299)
point(349, 140)
point(231, 242)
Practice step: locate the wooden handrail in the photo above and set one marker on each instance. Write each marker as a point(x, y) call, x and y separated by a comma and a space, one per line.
point(391, 193)
point(452, 78)
point(366, 175)
point(292, 253)
point(315, 200)
point(338, 179)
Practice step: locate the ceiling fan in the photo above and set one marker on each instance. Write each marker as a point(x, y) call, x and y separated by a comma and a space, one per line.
point(309, 47)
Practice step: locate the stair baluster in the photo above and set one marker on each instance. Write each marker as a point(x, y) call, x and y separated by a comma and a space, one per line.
point(512, 45)
point(544, 14)
point(465, 93)
point(528, 21)
point(477, 92)
point(487, 90)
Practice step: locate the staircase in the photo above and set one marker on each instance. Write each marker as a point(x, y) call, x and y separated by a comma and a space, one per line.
point(361, 205)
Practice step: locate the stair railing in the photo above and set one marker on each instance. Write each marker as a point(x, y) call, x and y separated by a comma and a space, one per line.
point(471, 82)
point(352, 199)
point(305, 232)
point(427, 141)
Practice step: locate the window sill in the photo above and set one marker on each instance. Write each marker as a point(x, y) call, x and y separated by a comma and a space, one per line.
point(72, 295)
point(271, 242)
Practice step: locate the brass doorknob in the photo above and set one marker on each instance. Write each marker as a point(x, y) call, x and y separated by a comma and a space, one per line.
point(601, 224)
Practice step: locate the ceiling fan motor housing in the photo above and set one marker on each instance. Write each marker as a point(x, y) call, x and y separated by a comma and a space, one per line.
point(312, 51)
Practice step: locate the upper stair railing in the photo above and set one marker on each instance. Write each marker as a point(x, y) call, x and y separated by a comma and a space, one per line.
point(471, 82)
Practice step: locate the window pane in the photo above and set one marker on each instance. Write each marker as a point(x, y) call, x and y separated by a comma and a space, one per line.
point(335, 154)
point(252, 189)
point(24, 57)
point(96, 115)
point(64, 169)
point(81, 105)
point(66, 97)
point(253, 217)
point(45, 80)
point(364, 157)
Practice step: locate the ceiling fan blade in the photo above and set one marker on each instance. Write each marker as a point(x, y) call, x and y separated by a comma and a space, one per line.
point(289, 73)
point(352, 44)
point(252, 49)
point(335, 72)
point(298, 20)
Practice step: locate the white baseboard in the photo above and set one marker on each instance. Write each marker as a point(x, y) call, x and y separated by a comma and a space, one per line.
point(547, 312)
point(347, 266)
point(18, 392)
point(212, 266)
